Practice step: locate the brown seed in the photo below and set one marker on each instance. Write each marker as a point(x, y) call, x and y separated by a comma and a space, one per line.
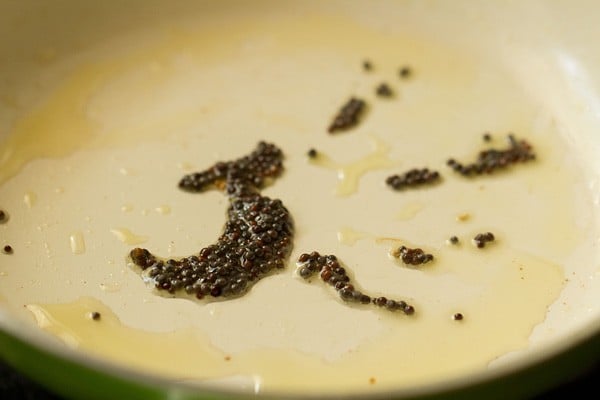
point(384, 90)
point(3, 216)
point(312, 153)
point(457, 317)
point(405, 72)
point(7, 249)
point(367, 66)
point(409, 310)
point(95, 315)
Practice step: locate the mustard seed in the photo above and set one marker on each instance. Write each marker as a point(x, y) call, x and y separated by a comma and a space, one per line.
point(95, 315)
point(457, 317)
point(384, 90)
point(3, 216)
point(312, 153)
point(405, 72)
point(367, 65)
point(7, 249)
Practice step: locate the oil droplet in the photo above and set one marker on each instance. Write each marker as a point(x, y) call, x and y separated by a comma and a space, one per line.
point(185, 166)
point(128, 237)
point(77, 243)
point(126, 171)
point(109, 338)
point(110, 287)
point(30, 199)
point(409, 211)
point(349, 174)
point(164, 209)
point(127, 207)
point(463, 217)
point(349, 236)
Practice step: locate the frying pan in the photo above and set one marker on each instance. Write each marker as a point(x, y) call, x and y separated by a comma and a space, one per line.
point(104, 107)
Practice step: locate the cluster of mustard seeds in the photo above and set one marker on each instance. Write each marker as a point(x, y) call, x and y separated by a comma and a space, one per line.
point(492, 160)
point(257, 237)
point(348, 116)
point(412, 256)
point(334, 274)
point(412, 178)
point(481, 239)
point(244, 175)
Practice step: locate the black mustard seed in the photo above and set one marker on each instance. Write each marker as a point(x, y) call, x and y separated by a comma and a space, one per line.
point(457, 317)
point(7, 249)
point(312, 153)
point(95, 315)
point(256, 240)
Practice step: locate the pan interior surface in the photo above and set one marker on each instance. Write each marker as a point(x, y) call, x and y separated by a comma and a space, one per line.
point(103, 109)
